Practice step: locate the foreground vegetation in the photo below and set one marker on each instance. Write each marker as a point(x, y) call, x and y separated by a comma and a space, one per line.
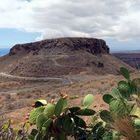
point(61, 121)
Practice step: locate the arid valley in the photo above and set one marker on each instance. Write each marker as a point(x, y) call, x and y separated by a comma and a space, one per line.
point(28, 74)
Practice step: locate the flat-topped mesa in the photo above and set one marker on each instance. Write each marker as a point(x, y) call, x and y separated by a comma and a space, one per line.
point(92, 45)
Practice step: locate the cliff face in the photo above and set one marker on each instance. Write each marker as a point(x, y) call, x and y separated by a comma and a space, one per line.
point(59, 57)
point(91, 45)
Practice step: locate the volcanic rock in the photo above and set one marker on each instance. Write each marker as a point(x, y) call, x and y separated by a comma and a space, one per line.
point(61, 56)
point(91, 45)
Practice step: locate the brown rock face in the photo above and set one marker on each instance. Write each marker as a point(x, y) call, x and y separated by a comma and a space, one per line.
point(59, 57)
point(92, 45)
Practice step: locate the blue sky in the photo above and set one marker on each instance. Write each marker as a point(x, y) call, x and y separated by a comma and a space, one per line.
point(116, 45)
point(10, 37)
point(116, 21)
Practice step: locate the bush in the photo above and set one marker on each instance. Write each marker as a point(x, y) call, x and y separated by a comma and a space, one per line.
point(124, 107)
point(9, 133)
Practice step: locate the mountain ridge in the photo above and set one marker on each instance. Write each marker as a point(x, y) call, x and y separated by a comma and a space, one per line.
point(92, 45)
point(59, 57)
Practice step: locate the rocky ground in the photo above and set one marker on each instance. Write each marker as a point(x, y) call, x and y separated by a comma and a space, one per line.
point(17, 96)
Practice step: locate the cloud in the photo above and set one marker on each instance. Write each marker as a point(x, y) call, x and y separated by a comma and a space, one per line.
point(115, 19)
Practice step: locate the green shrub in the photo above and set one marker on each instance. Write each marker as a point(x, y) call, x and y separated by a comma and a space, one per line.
point(60, 121)
point(124, 104)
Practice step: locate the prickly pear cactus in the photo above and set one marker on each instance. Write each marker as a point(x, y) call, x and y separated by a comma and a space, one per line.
point(49, 110)
point(61, 104)
point(88, 100)
point(39, 103)
point(125, 73)
point(137, 125)
point(107, 98)
point(124, 89)
point(59, 120)
point(40, 120)
point(123, 103)
point(35, 113)
point(136, 112)
point(119, 108)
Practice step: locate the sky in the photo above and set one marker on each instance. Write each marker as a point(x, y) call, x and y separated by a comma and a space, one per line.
point(115, 21)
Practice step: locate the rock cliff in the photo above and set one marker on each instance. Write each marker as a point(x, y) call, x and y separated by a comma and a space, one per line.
point(92, 45)
point(59, 57)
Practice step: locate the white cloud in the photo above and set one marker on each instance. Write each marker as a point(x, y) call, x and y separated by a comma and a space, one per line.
point(115, 19)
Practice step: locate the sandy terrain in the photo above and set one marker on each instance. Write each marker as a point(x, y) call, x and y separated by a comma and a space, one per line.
point(17, 96)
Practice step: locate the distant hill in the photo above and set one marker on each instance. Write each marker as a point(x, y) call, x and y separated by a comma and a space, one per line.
point(61, 56)
point(132, 58)
point(127, 51)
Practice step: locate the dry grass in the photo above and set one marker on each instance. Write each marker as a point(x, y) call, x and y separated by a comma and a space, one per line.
point(126, 128)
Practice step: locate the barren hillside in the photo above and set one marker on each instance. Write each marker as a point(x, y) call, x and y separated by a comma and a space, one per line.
point(58, 57)
point(131, 58)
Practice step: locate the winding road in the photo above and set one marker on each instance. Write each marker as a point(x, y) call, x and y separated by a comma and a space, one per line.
point(45, 79)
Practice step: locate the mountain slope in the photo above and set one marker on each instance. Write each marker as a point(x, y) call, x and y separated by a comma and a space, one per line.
point(62, 56)
point(131, 58)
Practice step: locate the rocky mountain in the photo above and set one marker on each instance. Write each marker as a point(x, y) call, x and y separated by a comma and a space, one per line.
point(61, 56)
point(64, 45)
